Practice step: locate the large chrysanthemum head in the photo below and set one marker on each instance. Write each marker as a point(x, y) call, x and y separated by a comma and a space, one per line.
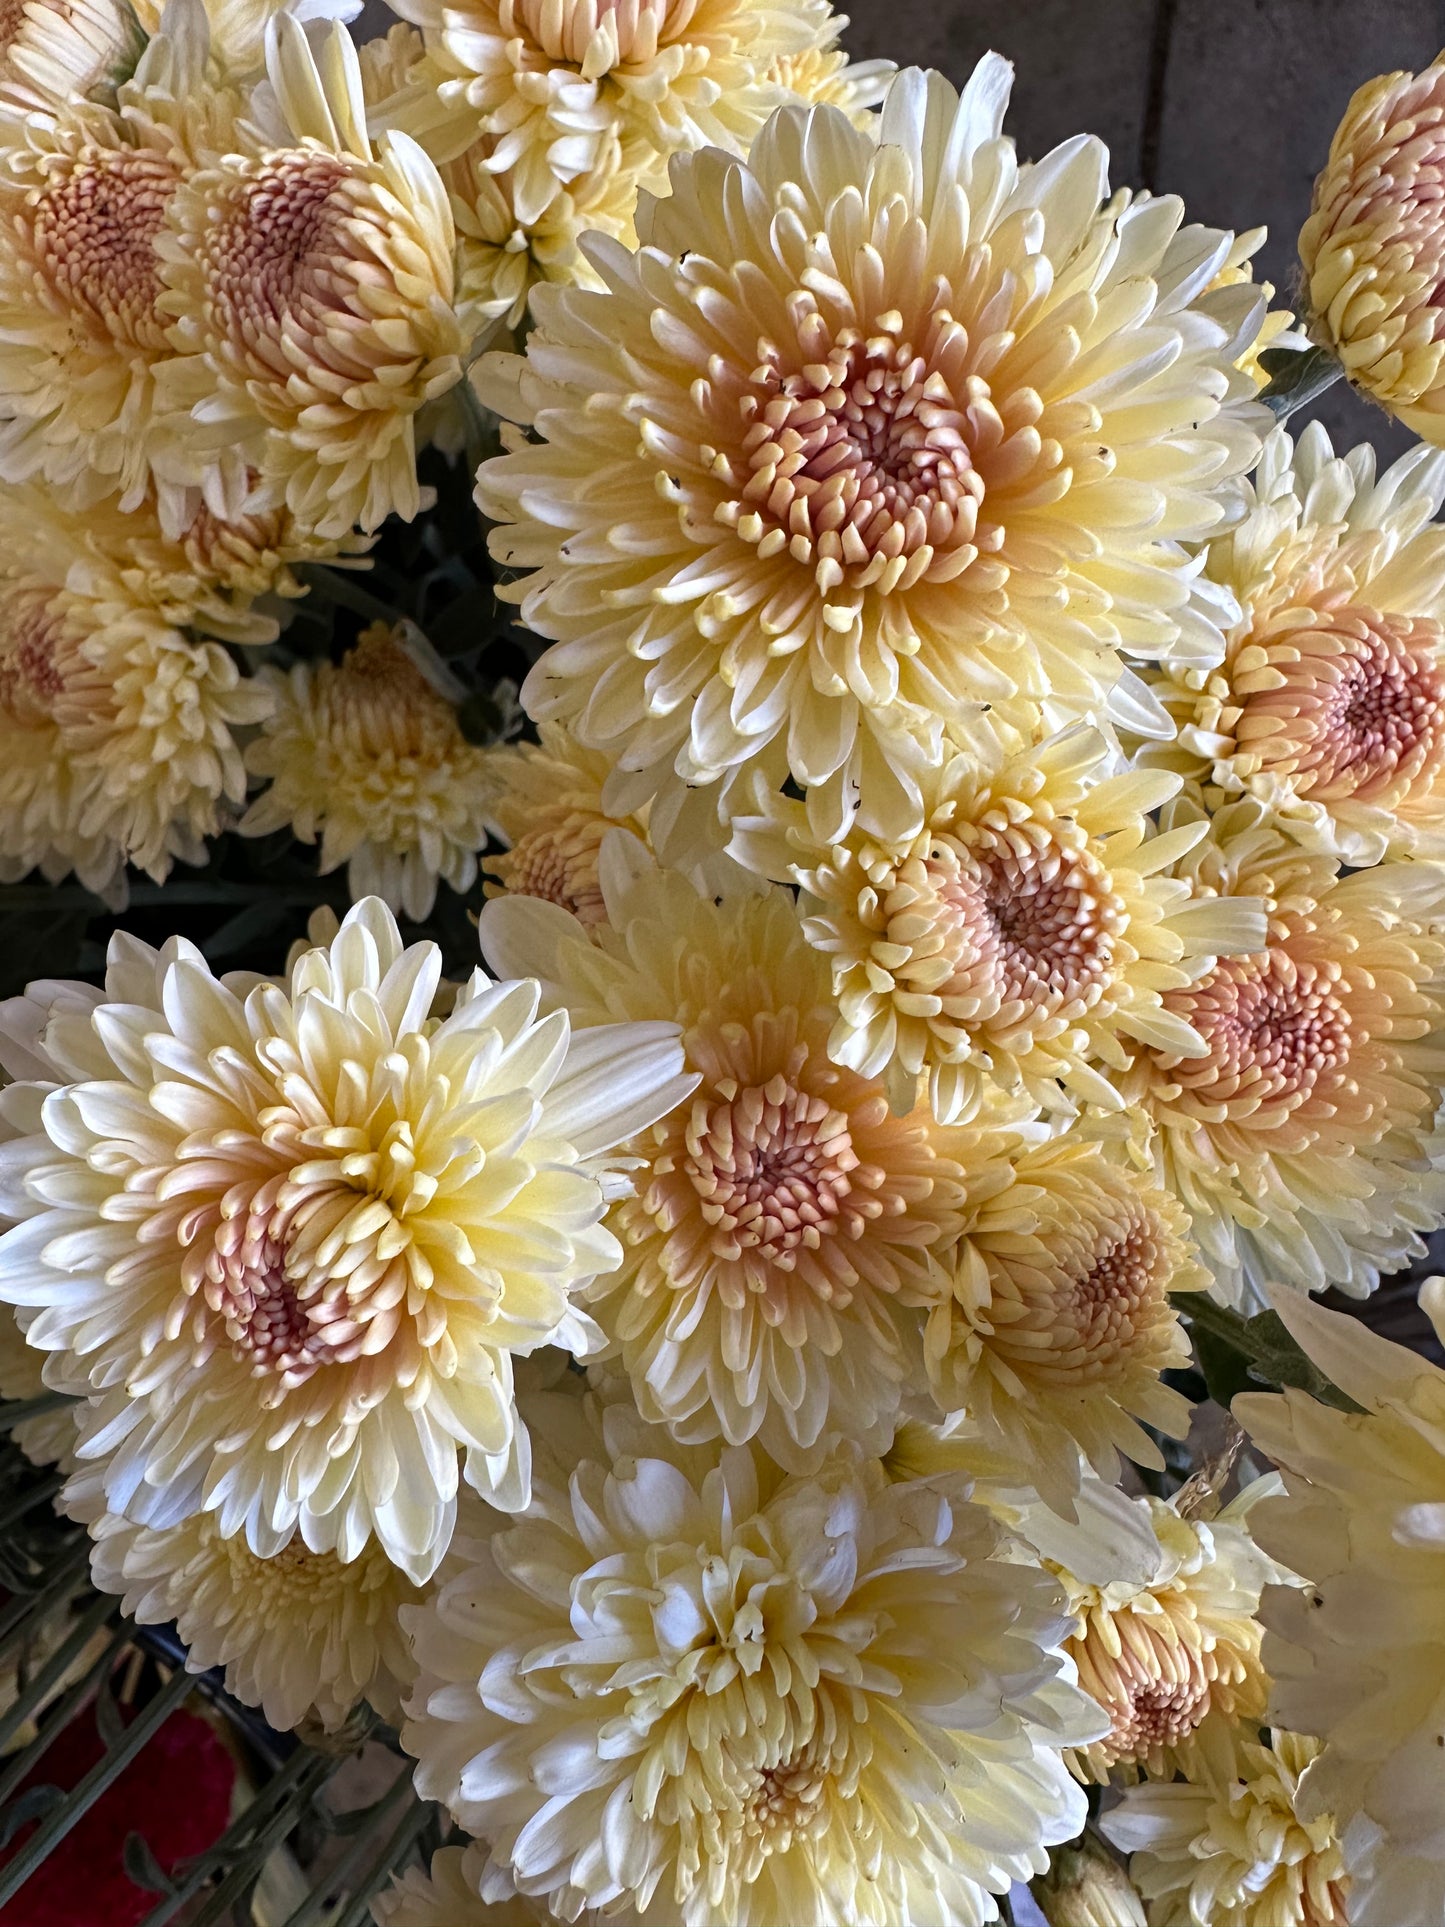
point(1061, 1323)
point(1358, 1657)
point(1164, 1656)
point(783, 1233)
point(299, 1634)
point(1303, 1141)
point(798, 1699)
point(1026, 934)
point(310, 294)
point(1329, 703)
point(370, 756)
point(872, 427)
point(1373, 248)
point(565, 89)
point(288, 1239)
point(1231, 1845)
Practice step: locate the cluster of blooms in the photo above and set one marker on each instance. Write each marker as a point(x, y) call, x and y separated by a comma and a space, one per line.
point(978, 886)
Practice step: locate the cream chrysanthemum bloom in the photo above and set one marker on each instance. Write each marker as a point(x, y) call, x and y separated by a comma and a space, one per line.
point(1277, 330)
point(1304, 1143)
point(446, 1896)
point(1358, 1658)
point(564, 89)
point(288, 1239)
point(55, 52)
point(1329, 703)
point(824, 76)
point(1373, 247)
point(1231, 1846)
point(872, 427)
point(310, 292)
point(1061, 1323)
point(756, 1697)
point(783, 1235)
point(300, 1634)
point(1029, 933)
point(370, 756)
point(1179, 1649)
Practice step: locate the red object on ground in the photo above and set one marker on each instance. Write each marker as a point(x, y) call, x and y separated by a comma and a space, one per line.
point(176, 1795)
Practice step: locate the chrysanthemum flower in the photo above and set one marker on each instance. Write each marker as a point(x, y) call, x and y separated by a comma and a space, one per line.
point(446, 1896)
point(370, 756)
point(1359, 1657)
point(1061, 1320)
point(1231, 1846)
point(300, 1634)
point(55, 52)
point(288, 1240)
point(567, 88)
point(1182, 1648)
point(1329, 703)
point(823, 76)
point(872, 427)
point(547, 807)
point(756, 1697)
point(1277, 330)
point(782, 1236)
point(1373, 247)
point(1304, 1141)
point(310, 294)
point(1085, 1886)
point(1027, 933)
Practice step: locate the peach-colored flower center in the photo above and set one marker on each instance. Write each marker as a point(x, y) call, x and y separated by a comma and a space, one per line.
point(565, 30)
point(93, 229)
point(789, 1802)
point(1027, 926)
point(244, 1280)
point(1352, 707)
point(273, 254)
point(772, 1168)
point(30, 678)
point(859, 464)
point(557, 861)
point(1276, 1025)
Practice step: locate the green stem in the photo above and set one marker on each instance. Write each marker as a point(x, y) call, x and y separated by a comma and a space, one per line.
point(82, 1797)
point(338, 1880)
point(57, 1588)
point(18, 1410)
point(19, 1764)
point(404, 1835)
point(330, 586)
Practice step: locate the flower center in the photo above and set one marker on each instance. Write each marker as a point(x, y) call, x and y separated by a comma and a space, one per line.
point(558, 862)
point(244, 1280)
point(1359, 712)
point(771, 1167)
point(858, 463)
point(93, 229)
point(789, 1802)
point(272, 250)
point(570, 30)
point(30, 678)
point(1275, 1026)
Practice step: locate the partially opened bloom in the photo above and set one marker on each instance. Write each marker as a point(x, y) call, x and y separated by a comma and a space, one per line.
point(367, 754)
point(287, 1240)
point(1231, 1846)
point(1373, 247)
point(1358, 1658)
point(309, 290)
point(1304, 1141)
point(1180, 1648)
point(446, 1895)
point(785, 1227)
point(299, 1634)
point(823, 76)
point(758, 1698)
point(1329, 703)
point(872, 427)
point(55, 52)
point(1028, 933)
point(1061, 1322)
point(547, 806)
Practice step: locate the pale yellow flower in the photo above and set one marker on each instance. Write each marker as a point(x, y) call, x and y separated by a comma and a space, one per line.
point(1029, 933)
point(1164, 1656)
point(1304, 1141)
point(1328, 706)
point(1060, 1322)
point(1278, 329)
point(369, 755)
point(872, 427)
point(1373, 247)
point(299, 1634)
point(693, 1683)
point(1358, 1658)
point(302, 1230)
point(446, 1896)
point(784, 1234)
point(1086, 1887)
point(564, 89)
point(824, 76)
point(1231, 1845)
point(54, 52)
point(310, 292)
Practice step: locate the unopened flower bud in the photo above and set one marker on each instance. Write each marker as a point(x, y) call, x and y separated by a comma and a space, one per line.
point(1086, 1887)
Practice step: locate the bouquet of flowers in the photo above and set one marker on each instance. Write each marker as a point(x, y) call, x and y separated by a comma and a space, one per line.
point(815, 911)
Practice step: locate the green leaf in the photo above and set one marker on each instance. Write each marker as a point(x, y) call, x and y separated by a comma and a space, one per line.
point(143, 1868)
point(1297, 376)
point(1237, 1351)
